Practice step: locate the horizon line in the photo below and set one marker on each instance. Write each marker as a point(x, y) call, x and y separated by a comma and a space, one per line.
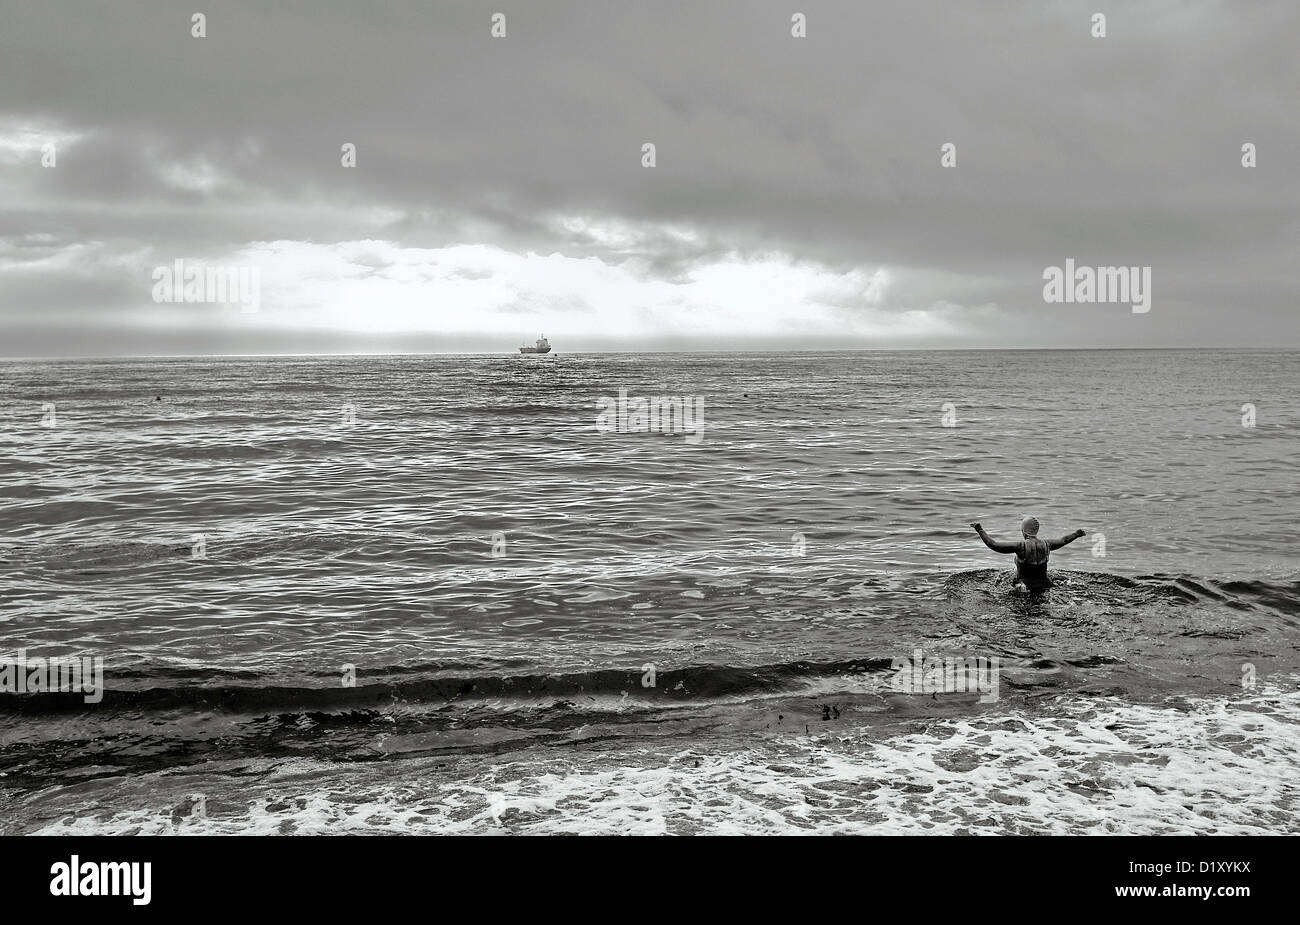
point(456, 353)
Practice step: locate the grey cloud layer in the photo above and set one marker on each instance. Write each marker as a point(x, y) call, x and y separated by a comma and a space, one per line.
point(1123, 150)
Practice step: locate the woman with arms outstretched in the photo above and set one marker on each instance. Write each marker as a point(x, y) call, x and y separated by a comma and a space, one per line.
point(1031, 553)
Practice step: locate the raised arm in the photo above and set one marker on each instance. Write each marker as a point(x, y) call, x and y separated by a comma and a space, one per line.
point(995, 545)
point(1065, 540)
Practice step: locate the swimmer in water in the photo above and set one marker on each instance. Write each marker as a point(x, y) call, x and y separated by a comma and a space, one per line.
point(1031, 553)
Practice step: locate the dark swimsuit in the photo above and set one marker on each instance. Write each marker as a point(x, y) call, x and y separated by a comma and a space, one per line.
point(1031, 563)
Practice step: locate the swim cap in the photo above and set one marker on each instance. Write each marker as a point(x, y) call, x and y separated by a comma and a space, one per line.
point(1029, 526)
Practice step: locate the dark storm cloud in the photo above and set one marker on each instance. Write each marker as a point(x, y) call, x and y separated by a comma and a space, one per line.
point(1122, 150)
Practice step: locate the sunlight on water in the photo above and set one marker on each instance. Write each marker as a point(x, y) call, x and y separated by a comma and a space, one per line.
point(230, 534)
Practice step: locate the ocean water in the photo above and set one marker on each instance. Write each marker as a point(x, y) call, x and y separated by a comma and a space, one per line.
point(554, 628)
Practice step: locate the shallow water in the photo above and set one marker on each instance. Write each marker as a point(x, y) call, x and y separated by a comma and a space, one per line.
point(507, 693)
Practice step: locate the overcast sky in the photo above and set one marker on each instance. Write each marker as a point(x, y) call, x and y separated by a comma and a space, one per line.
point(797, 202)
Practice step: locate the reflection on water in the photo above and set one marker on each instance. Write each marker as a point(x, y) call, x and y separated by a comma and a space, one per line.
point(229, 549)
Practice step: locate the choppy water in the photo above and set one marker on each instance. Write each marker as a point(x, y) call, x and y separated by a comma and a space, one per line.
point(506, 692)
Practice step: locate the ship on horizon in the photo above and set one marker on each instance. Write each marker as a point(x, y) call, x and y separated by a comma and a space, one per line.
point(542, 346)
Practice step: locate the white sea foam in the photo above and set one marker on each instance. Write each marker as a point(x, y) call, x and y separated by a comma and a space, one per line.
point(1220, 765)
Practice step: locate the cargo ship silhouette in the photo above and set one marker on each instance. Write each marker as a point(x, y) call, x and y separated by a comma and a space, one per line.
point(543, 346)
